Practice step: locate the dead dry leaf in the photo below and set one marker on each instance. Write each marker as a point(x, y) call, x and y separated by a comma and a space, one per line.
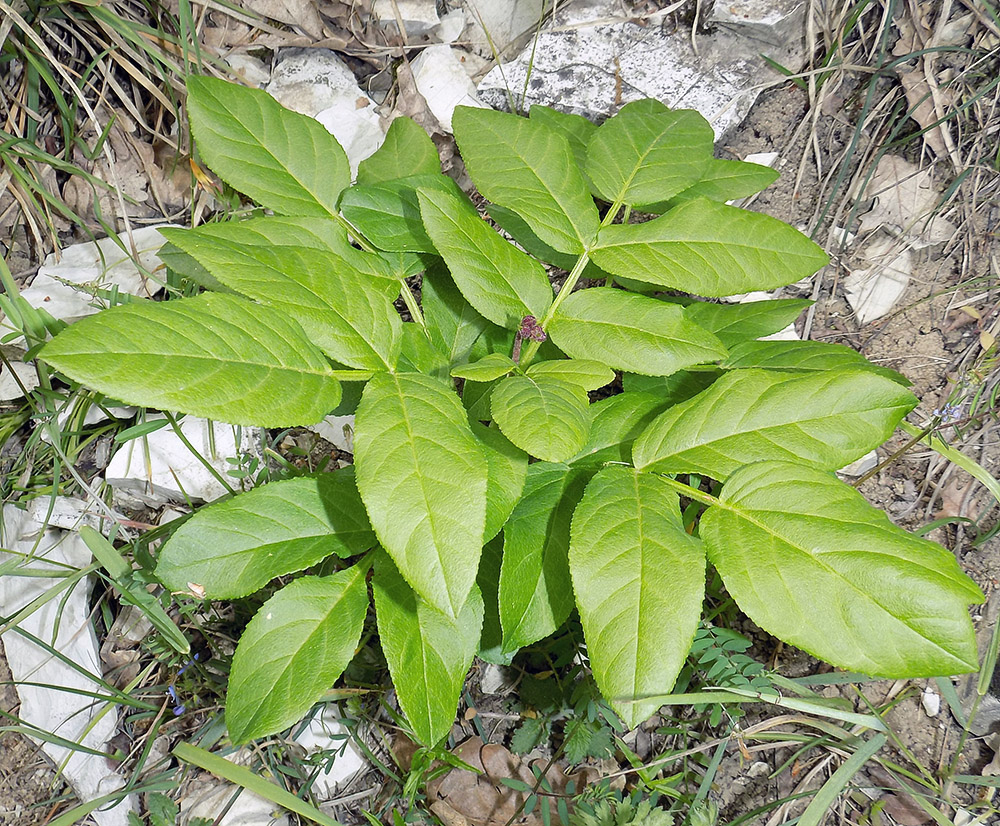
point(464, 798)
point(905, 200)
point(918, 95)
point(302, 14)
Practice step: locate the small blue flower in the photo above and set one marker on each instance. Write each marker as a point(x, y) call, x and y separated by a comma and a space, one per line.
point(949, 413)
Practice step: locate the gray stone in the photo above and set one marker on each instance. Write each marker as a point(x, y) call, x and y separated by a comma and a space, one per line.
point(591, 59)
point(772, 22)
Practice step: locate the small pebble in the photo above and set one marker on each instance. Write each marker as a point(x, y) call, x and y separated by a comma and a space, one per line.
point(931, 701)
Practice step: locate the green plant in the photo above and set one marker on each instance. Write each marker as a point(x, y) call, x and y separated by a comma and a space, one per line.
point(164, 812)
point(621, 811)
point(474, 548)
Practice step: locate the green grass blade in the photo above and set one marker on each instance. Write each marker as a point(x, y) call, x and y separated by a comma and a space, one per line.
point(970, 466)
point(827, 795)
point(242, 776)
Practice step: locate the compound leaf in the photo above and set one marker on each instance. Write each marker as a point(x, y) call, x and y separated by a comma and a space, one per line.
point(407, 150)
point(489, 367)
point(422, 476)
point(235, 547)
point(388, 213)
point(709, 249)
point(496, 278)
point(647, 153)
point(631, 332)
point(811, 562)
point(283, 160)
point(293, 650)
point(639, 580)
point(528, 167)
point(428, 653)
point(733, 324)
point(507, 467)
point(724, 180)
point(590, 375)
point(216, 356)
point(615, 424)
point(805, 357)
point(826, 420)
point(452, 324)
point(576, 129)
point(347, 313)
point(536, 595)
point(546, 417)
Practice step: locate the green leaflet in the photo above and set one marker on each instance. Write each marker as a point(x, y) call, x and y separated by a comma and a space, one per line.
point(452, 324)
point(488, 580)
point(348, 314)
point(810, 561)
point(615, 423)
point(673, 389)
point(577, 130)
point(724, 180)
point(500, 281)
point(631, 332)
point(295, 647)
point(489, 367)
point(428, 653)
point(733, 324)
point(507, 468)
point(407, 150)
point(234, 244)
point(546, 417)
point(825, 420)
point(422, 476)
point(216, 356)
point(419, 355)
point(528, 167)
point(709, 249)
point(590, 375)
point(639, 580)
point(647, 153)
point(805, 357)
point(283, 160)
point(388, 213)
point(536, 595)
point(235, 547)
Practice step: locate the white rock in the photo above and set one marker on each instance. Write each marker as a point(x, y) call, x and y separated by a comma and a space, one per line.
point(770, 21)
point(590, 60)
point(859, 467)
point(326, 733)
point(311, 80)
point(418, 16)
point(248, 809)
point(158, 468)
point(73, 717)
point(337, 430)
point(95, 413)
point(12, 388)
point(763, 158)
point(931, 701)
point(317, 83)
point(872, 291)
point(65, 287)
point(250, 70)
point(356, 126)
point(496, 679)
point(442, 80)
point(67, 514)
point(451, 26)
point(497, 24)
